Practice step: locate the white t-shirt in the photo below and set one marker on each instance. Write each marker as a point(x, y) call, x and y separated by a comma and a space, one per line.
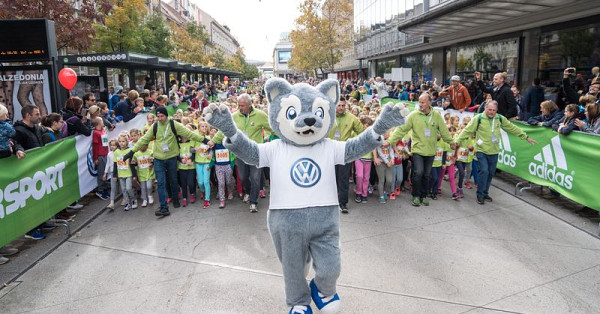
point(302, 176)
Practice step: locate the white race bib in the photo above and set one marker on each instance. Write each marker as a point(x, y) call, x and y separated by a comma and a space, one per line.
point(222, 155)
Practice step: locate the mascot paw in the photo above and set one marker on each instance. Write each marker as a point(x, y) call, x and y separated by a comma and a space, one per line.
point(391, 116)
point(220, 117)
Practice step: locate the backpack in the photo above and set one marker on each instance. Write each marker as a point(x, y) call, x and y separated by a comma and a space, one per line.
point(65, 127)
point(172, 123)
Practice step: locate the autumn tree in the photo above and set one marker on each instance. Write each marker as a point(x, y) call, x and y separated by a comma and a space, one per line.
point(189, 43)
point(73, 26)
point(156, 36)
point(322, 33)
point(121, 30)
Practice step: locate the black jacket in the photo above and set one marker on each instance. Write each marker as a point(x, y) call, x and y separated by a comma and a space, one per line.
point(568, 128)
point(507, 105)
point(548, 120)
point(75, 125)
point(27, 138)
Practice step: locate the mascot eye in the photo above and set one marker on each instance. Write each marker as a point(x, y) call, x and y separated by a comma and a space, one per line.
point(320, 113)
point(291, 113)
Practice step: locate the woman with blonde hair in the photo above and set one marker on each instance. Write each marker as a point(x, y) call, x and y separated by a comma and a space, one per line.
point(550, 115)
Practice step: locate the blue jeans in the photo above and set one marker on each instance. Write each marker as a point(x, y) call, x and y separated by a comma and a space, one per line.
point(486, 171)
point(421, 172)
point(250, 177)
point(162, 169)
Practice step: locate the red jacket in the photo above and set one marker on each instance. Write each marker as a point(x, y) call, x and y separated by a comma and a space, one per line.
point(97, 148)
point(459, 96)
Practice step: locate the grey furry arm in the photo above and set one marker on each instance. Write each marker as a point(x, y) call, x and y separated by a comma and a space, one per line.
point(243, 148)
point(365, 142)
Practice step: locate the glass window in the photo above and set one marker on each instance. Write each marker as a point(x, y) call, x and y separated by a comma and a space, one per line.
point(385, 66)
point(488, 58)
point(422, 70)
point(573, 47)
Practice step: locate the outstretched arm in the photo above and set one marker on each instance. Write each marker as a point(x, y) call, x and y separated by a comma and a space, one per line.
point(368, 140)
point(236, 141)
point(243, 148)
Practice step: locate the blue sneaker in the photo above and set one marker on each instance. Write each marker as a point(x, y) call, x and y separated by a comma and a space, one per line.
point(301, 309)
point(325, 304)
point(35, 235)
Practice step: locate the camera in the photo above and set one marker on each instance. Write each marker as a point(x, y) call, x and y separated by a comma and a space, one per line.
point(571, 71)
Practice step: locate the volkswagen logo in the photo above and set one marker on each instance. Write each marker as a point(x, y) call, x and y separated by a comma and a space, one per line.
point(305, 173)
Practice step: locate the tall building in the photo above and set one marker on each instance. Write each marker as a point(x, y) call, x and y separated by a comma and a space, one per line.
point(220, 35)
point(440, 38)
point(282, 53)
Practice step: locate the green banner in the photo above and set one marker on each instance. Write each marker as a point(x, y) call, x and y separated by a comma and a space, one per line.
point(35, 188)
point(566, 163)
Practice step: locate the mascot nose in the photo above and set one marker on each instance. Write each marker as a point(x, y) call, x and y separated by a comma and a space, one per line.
point(310, 121)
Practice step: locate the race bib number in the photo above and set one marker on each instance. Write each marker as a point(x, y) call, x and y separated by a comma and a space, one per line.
point(104, 140)
point(463, 154)
point(144, 162)
point(438, 155)
point(186, 158)
point(204, 150)
point(222, 155)
point(122, 164)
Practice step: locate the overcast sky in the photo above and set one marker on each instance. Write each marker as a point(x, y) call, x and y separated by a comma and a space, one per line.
point(256, 24)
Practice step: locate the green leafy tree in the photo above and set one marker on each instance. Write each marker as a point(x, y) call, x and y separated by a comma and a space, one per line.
point(121, 30)
point(218, 59)
point(321, 35)
point(156, 36)
point(73, 27)
point(189, 44)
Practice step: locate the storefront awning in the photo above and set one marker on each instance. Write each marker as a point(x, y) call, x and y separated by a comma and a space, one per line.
point(140, 61)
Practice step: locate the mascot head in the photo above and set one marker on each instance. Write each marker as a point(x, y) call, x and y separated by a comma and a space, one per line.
point(301, 114)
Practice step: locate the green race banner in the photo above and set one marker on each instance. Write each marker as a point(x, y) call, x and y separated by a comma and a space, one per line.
point(35, 188)
point(566, 163)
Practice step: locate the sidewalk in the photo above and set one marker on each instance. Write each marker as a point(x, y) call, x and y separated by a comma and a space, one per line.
point(450, 257)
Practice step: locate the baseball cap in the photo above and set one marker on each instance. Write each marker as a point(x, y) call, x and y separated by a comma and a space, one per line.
point(455, 78)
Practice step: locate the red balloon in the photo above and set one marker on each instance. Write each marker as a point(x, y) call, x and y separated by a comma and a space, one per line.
point(225, 78)
point(67, 78)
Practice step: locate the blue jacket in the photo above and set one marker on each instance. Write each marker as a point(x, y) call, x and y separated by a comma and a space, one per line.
point(6, 132)
point(125, 109)
point(532, 100)
point(548, 120)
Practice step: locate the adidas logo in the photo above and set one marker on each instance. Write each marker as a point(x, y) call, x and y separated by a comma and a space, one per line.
point(506, 155)
point(551, 164)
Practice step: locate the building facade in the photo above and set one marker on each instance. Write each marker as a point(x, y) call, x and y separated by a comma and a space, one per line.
point(282, 53)
point(220, 35)
point(441, 38)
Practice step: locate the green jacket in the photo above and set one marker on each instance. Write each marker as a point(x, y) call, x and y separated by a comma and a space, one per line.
point(252, 125)
point(164, 134)
point(417, 121)
point(344, 125)
point(484, 133)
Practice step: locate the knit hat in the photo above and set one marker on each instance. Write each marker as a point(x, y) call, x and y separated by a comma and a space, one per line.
point(455, 78)
point(162, 110)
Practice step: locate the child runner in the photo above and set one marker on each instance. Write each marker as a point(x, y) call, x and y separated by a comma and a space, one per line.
point(99, 153)
point(363, 169)
point(186, 168)
point(203, 159)
point(384, 160)
point(145, 173)
point(108, 171)
point(124, 171)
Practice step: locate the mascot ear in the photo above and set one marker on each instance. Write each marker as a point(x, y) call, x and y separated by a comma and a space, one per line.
point(275, 87)
point(331, 89)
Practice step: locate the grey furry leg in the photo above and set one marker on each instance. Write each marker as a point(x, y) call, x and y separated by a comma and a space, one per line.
point(289, 230)
point(243, 148)
point(365, 142)
point(325, 247)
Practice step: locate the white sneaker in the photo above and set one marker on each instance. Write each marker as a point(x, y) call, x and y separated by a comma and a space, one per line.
point(134, 204)
point(246, 198)
point(144, 203)
point(150, 199)
point(253, 208)
point(75, 206)
point(3, 260)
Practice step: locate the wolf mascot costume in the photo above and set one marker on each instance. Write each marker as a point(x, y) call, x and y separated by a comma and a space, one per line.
point(303, 216)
